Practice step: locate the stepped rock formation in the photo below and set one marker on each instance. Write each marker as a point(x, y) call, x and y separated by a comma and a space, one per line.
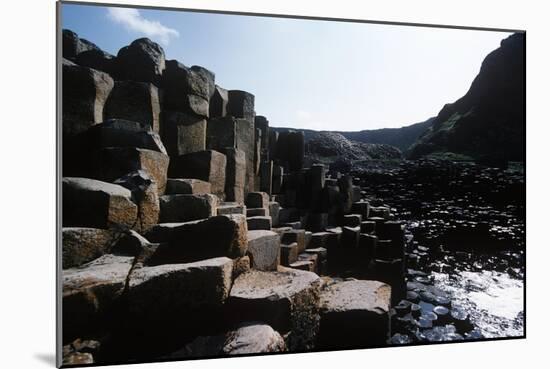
point(488, 122)
point(192, 228)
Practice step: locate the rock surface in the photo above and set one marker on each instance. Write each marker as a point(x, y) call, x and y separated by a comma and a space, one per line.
point(286, 300)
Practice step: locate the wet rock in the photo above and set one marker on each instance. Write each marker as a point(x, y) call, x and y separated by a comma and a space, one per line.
point(443, 315)
point(134, 101)
point(287, 300)
point(224, 235)
point(349, 309)
point(264, 249)
point(400, 339)
point(183, 208)
point(91, 203)
point(413, 296)
point(416, 310)
point(461, 320)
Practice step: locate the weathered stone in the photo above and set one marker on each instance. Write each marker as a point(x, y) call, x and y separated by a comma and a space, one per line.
point(96, 59)
point(206, 165)
point(90, 293)
point(91, 203)
point(122, 133)
point(319, 239)
point(321, 252)
point(289, 253)
point(224, 235)
point(183, 208)
point(263, 248)
point(134, 101)
point(356, 193)
point(221, 133)
point(142, 61)
point(72, 45)
point(81, 245)
point(132, 243)
point(257, 200)
point(248, 338)
point(294, 225)
point(287, 300)
point(78, 358)
point(187, 186)
point(241, 265)
point(85, 92)
point(145, 195)
point(261, 123)
point(266, 175)
point(111, 163)
point(177, 300)
point(226, 208)
point(354, 314)
point(235, 171)
point(182, 133)
point(259, 222)
point(218, 103)
point(187, 89)
point(368, 243)
point(240, 104)
point(274, 208)
point(295, 235)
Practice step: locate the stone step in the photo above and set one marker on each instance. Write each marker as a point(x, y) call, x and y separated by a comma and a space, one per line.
point(264, 249)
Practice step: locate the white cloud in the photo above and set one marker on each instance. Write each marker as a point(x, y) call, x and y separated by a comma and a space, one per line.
point(132, 20)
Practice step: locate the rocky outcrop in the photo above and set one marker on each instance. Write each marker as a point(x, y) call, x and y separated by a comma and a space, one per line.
point(179, 206)
point(488, 122)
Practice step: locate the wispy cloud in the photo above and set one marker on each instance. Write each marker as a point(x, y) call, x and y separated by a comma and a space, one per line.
point(132, 20)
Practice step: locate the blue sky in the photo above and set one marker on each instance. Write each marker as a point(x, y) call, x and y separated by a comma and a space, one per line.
point(305, 73)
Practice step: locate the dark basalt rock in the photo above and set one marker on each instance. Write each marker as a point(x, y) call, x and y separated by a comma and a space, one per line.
point(96, 59)
point(141, 61)
point(490, 118)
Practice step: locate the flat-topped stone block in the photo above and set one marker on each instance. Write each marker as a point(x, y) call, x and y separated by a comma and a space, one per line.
point(259, 222)
point(183, 208)
point(187, 186)
point(287, 300)
point(264, 249)
point(354, 314)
